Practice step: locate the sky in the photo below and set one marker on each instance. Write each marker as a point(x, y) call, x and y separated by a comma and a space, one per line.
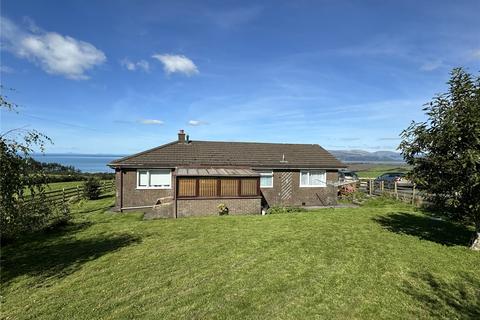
point(118, 77)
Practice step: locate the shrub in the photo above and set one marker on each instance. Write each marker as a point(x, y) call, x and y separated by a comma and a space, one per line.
point(278, 210)
point(30, 215)
point(222, 209)
point(354, 197)
point(91, 188)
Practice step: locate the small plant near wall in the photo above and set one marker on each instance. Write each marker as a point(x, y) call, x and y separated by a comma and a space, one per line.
point(222, 209)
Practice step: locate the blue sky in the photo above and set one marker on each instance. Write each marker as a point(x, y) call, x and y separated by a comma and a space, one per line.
point(123, 76)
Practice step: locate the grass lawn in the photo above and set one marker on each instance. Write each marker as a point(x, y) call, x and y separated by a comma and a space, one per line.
point(377, 261)
point(60, 185)
point(70, 184)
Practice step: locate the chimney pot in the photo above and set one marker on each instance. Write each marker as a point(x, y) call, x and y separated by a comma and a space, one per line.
point(181, 136)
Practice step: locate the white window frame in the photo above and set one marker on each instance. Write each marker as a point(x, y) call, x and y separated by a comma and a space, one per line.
point(324, 172)
point(148, 179)
point(266, 173)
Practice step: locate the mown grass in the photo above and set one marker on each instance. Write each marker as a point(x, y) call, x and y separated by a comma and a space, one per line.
point(378, 261)
point(69, 184)
point(55, 186)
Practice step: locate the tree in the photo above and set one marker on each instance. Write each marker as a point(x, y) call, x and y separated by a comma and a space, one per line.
point(444, 151)
point(23, 204)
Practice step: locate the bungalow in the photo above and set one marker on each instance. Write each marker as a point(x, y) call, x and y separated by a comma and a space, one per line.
point(185, 177)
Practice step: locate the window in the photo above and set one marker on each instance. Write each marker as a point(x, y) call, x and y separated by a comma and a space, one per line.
point(187, 187)
point(154, 179)
point(217, 187)
point(313, 178)
point(266, 179)
point(207, 187)
point(228, 187)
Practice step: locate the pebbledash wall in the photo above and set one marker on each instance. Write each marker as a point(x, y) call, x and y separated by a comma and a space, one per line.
point(197, 207)
point(286, 191)
point(133, 197)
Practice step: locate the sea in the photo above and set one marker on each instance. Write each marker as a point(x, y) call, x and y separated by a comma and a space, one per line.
point(90, 163)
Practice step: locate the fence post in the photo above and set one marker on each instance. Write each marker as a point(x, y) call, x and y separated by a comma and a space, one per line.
point(413, 194)
point(382, 185)
point(370, 186)
point(78, 192)
point(396, 190)
point(63, 200)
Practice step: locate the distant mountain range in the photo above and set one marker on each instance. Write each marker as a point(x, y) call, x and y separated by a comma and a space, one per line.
point(365, 156)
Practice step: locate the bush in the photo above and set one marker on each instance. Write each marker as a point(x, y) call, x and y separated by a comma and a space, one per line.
point(354, 197)
point(279, 210)
point(91, 188)
point(32, 215)
point(222, 209)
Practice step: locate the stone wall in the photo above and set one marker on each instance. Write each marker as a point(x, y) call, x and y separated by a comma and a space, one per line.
point(203, 207)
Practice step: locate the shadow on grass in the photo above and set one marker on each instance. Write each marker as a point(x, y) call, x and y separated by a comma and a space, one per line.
point(59, 258)
point(457, 299)
point(424, 227)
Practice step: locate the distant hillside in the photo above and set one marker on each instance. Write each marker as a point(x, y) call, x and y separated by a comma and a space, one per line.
point(362, 155)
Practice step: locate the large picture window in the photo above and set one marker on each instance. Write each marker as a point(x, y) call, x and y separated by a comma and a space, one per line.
point(217, 187)
point(154, 179)
point(266, 179)
point(313, 178)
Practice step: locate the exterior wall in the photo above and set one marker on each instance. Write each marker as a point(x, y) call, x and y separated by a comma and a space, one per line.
point(286, 191)
point(133, 197)
point(203, 207)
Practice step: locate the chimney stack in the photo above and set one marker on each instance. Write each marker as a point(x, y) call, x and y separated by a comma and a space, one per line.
point(181, 136)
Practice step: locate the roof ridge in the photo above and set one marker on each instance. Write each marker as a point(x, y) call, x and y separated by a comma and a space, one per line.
point(255, 142)
point(143, 152)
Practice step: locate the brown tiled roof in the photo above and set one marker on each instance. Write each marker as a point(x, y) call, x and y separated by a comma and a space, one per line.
point(236, 154)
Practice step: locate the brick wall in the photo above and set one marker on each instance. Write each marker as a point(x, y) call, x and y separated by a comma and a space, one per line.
point(202, 207)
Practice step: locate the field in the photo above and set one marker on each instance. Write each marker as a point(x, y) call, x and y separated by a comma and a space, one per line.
point(55, 186)
point(381, 260)
point(365, 170)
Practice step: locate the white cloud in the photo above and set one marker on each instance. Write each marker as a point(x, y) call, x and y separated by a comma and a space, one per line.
point(53, 52)
point(6, 69)
point(195, 123)
point(151, 121)
point(177, 63)
point(476, 54)
point(133, 66)
point(431, 65)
